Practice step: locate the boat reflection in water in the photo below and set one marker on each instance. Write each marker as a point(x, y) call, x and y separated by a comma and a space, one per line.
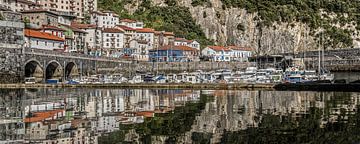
point(177, 116)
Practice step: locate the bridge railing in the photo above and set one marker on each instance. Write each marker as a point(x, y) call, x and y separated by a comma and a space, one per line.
point(66, 54)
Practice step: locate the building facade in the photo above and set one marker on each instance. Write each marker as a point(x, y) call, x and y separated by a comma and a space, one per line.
point(113, 41)
point(39, 17)
point(42, 40)
point(171, 53)
point(240, 53)
point(217, 53)
point(106, 19)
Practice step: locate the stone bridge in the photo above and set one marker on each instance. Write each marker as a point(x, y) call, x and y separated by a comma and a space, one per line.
point(43, 65)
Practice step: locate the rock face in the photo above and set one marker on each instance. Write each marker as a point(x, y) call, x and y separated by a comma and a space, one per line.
point(236, 26)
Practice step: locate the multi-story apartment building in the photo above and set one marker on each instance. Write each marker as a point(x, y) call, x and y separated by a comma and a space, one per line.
point(106, 19)
point(19, 5)
point(184, 42)
point(113, 41)
point(90, 35)
point(145, 40)
point(132, 23)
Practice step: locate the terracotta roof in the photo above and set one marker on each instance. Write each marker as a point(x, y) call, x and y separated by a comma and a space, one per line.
point(183, 40)
point(98, 13)
point(83, 26)
point(41, 116)
point(145, 30)
point(240, 48)
point(112, 30)
point(38, 11)
point(49, 27)
point(126, 28)
point(218, 48)
point(181, 48)
point(165, 33)
point(41, 35)
point(145, 114)
point(169, 34)
point(128, 20)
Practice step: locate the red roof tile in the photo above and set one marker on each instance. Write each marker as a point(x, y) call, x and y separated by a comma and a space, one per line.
point(128, 20)
point(218, 48)
point(112, 30)
point(41, 35)
point(41, 116)
point(183, 40)
point(145, 30)
point(126, 28)
point(240, 48)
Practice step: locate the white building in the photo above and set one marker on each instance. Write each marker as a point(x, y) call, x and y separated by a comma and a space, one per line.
point(240, 53)
point(90, 36)
point(184, 42)
point(56, 31)
point(113, 41)
point(132, 23)
point(42, 40)
point(217, 53)
point(145, 40)
point(105, 19)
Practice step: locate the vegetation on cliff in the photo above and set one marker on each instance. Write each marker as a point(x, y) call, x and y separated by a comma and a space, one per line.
point(173, 18)
point(325, 14)
point(326, 18)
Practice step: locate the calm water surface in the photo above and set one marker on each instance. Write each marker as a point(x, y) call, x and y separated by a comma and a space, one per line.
point(78, 116)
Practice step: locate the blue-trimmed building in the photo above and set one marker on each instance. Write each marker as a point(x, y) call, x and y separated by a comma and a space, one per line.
point(173, 54)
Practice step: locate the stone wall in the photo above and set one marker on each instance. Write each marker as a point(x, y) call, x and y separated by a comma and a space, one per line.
point(11, 65)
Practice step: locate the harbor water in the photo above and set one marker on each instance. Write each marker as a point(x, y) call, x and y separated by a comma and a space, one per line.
point(84, 115)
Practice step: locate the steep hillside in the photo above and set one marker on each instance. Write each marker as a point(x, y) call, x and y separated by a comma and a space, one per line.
point(269, 26)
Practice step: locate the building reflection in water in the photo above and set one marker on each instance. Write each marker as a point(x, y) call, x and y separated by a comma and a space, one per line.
point(84, 115)
point(80, 116)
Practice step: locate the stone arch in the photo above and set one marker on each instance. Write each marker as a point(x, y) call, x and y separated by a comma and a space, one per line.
point(71, 71)
point(54, 70)
point(33, 68)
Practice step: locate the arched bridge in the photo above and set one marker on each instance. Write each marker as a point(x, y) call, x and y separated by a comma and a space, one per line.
point(44, 65)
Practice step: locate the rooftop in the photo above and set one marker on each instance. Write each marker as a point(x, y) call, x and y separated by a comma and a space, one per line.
point(128, 20)
point(145, 30)
point(38, 11)
point(49, 27)
point(41, 116)
point(240, 48)
point(181, 48)
point(219, 48)
point(41, 35)
point(112, 30)
point(126, 28)
point(83, 26)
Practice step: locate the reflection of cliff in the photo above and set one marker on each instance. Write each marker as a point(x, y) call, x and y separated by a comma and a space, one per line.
point(240, 110)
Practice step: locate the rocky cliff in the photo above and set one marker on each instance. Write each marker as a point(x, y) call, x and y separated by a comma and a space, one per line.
point(235, 25)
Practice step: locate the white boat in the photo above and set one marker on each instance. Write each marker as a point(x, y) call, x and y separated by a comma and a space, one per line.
point(30, 80)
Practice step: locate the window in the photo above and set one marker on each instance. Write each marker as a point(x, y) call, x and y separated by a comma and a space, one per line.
point(37, 42)
point(45, 43)
point(53, 44)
